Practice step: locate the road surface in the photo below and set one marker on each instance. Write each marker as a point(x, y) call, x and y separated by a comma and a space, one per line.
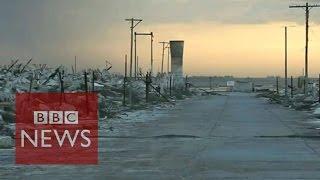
point(237, 136)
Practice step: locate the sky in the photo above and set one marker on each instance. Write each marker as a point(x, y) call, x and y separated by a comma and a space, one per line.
point(222, 37)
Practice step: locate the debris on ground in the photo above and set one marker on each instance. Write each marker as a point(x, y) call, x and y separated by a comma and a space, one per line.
point(6, 142)
point(19, 77)
point(298, 100)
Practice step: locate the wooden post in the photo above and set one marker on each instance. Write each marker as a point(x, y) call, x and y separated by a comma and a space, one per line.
point(173, 83)
point(186, 83)
point(124, 82)
point(85, 82)
point(131, 47)
point(61, 82)
point(162, 57)
point(124, 92)
point(319, 88)
point(75, 64)
point(135, 55)
point(147, 88)
point(138, 66)
point(30, 86)
point(148, 82)
point(286, 63)
point(304, 86)
point(86, 90)
point(151, 54)
point(277, 85)
point(168, 63)
point(92, 81)
point(291, 87)
point(170, 85)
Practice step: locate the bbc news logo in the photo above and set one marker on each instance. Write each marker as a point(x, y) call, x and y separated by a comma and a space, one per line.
point(55, 117)
point(55, 128)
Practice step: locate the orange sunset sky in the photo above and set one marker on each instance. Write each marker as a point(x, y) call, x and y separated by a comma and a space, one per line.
point(231, 37)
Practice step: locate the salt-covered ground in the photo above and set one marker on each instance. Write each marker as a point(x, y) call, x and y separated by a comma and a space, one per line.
point(237, 136)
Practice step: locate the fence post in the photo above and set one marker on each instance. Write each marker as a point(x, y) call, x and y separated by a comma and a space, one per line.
point(186, 83)
point(85, 82)
point(291, 87)
point(30, 86)
point(277, 79)
point(319, 88)
point(304, 86)
point(61, 87)
point(124, 82)
point(61, 82)
point(92, 81)
point(170, 85)
point(148, 82)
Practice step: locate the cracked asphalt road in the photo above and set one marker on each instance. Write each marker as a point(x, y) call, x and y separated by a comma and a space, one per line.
point(236, 136)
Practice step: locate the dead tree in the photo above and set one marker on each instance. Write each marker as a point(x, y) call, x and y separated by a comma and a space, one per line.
point(24, 67)
point(56, 71)
point(11, 66)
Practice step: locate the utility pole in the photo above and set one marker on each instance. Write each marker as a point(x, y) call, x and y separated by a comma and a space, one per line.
point(124, 81)
point(163, 47)
point(137, 65)
point(135, 49)
point(134, 22)
point(307, 8)
point(168, 47)
point(286, 62)
point(151, 70)
point(135, 55)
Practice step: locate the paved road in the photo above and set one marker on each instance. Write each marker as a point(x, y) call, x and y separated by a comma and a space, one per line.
point(221, 137)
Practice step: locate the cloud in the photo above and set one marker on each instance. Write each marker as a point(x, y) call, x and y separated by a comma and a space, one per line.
point(53, 31)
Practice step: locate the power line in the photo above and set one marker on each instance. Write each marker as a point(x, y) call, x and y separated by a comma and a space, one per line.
point(286, 61)
point(134, 22)
point(135, 50)
point(163, 48)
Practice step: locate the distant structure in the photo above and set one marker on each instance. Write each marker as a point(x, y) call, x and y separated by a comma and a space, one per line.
point(176, 49)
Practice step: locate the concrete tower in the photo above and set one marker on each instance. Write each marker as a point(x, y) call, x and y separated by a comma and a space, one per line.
point(176, 49)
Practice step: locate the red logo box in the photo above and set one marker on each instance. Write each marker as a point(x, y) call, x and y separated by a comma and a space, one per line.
point(56, 128)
